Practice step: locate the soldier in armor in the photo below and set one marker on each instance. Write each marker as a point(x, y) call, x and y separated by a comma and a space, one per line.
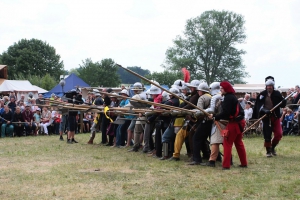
point(215, 139)
point(156, 95)
point(183, 133)
point(204, 126)
point(137, 127)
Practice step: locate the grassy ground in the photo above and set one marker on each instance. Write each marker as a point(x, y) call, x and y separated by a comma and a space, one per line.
point(45, 168)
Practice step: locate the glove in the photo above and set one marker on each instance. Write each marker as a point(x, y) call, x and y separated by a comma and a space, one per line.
point(264, 111)
point(199, 113)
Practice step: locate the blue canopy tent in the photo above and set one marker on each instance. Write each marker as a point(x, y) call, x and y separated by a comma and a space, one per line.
point(72, 81)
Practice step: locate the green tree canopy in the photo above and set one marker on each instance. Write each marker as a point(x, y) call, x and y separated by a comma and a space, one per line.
point(207, 48)
point(166, 77)
point(74, 71)
point(46, 82)
point(129, 78)
point(103, 73)
point(33, 57)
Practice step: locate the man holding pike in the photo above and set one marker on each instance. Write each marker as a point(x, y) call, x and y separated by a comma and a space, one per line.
point(265, 101)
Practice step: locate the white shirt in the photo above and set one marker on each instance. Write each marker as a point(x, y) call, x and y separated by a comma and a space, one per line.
point(248, 113)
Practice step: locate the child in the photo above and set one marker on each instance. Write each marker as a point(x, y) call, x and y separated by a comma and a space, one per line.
point(287, 122)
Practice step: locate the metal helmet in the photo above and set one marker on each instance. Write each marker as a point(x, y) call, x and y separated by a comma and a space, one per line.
point(203, 87)
point(178, 84)
point(185, 86)
point(165, 96)
point(138, 86)
point(194, 83)
point(214, 88)
point(174, 90)
point(124, 91)
point(270, 81)
point(155, 90)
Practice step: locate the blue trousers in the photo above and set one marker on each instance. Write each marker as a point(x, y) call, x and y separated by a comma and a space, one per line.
point(7, 129)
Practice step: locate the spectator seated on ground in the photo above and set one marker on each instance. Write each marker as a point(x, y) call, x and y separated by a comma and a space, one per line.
point(45, 120)
point(12, 94)
point(12, 104)
point(40, 101)
point(28, 118)
point(22, 99)
point(56, 118)
point(7, 117)
point(18, 117)
point(33, 105)
point(287, 122)
point(5, 100)
point(37, 120)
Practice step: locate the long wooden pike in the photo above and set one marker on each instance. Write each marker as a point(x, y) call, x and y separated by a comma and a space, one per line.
point(115, 110)
point(157, 85)
point(153, 103)
point(266, 114)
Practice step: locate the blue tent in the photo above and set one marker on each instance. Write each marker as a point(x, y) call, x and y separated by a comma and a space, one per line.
point(72, 81)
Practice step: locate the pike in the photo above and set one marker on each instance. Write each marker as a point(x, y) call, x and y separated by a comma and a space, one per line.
point(152, 103)
point(266, 114)
point(114, 110)
point(157, 85)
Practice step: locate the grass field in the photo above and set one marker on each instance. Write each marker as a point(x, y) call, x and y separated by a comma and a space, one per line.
point(45, 168)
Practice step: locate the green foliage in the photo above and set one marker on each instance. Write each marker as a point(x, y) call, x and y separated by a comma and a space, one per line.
point(166, 77)
point(103, 73)
point(33, 57)
point(46, 82)
point(207, 48)
point(74, 71)
point(129, 78)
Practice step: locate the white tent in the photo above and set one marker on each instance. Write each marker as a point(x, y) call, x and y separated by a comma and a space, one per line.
point(18, 87)
point(40, 90)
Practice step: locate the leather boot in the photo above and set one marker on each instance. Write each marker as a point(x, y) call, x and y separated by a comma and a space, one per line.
point(219, 158)
point(274, 144)
point(269, 152)
point(273, 151)
point(91, 138)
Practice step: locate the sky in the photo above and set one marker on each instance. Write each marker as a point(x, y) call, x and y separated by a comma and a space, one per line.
point(138, 32)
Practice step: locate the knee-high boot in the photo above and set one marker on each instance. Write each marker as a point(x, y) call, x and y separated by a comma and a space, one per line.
point(92, 137)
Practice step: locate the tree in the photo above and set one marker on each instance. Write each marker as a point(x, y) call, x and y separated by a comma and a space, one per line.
point(74, 71)
point(103, 73)
point(129, 78)
point(165, 78)
point(46, 82)
point(33, 57)
point(208, 49)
